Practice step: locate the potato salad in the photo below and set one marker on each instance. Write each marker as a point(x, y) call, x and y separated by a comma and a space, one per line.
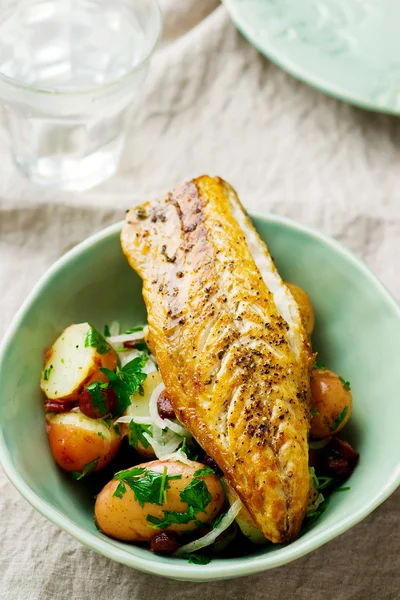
point(106, 408)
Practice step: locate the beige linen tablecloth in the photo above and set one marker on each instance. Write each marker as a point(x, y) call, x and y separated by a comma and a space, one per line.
point(213, 105)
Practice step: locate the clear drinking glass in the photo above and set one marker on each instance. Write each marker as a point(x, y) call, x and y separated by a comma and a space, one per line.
point(70, 71)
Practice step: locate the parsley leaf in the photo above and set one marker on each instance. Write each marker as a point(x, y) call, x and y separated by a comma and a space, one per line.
point(319, 365)
point(120, 490)
point(345, 383)
point(343, 489)
point(87, 469)
point(171, 517)
point(107, 331)
point(101, 435)
point(198, 559)
point(96, 340)
point(127, 381)
point(196, 495)
point(107, 421)
point(341, 416)
point(136, 431)
point(142, 346)
point(204, 472)
point(147, 486)
point(314, 412)
point(134, 329)
point(98, 399)
point(117, 429)
point(46, 374)
point(218, 520)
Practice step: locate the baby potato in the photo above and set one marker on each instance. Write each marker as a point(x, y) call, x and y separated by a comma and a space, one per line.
point(76, 440)
point(244, 519)
point(121, 516)
point(74, 361)
point(140, 407)
point(332, 400)
point(305, 306)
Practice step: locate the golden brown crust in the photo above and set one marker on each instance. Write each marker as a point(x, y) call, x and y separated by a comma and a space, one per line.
point(222, 349)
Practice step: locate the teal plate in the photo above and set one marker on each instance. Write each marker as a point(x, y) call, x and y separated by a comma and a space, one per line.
point(349, 49)
point(357, 333)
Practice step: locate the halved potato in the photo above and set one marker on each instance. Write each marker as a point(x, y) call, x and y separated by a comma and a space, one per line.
point(120, 515)
point(74, 361)
point(139, 407)
point(77, 441)
point(245, 520)
point(304, 304)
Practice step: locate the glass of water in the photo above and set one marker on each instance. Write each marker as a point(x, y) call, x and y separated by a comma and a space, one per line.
point(70, 71)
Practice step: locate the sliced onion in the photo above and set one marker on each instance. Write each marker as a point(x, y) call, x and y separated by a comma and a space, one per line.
point(162, 450)
point(138, 420)
point(114, 328)
point(210, 537)
point(318, 444)
point(178, 456)
point(163, 423)
point(125, 337)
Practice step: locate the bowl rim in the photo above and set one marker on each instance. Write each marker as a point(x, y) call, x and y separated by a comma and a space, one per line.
point(217, 569)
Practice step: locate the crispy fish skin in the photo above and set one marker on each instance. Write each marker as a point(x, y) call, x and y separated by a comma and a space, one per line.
point(235, 381)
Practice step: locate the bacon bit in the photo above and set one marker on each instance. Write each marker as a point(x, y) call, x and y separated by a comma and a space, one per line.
point(164, 405)
point(165, 542)
point(59, 407)
point(338, 459)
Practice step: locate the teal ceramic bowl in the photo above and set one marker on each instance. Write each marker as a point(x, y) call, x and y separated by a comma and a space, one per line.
point(357, 334)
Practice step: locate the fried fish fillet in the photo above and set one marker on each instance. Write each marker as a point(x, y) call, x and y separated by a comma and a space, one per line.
point(230, 344)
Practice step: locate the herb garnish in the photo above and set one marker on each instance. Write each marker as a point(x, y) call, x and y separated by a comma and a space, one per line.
point(136, 431)
point(319, 365)
point(197, 559)
point(87, 469)
point(142, 346)
point(107, 331)
point(101, 435)
point(134, 329)
point(46, 374)
point(314, 412)
point(98, 399)
point(147, 486)
point(341, 416)
point(204, 472)
point(117, 429)
point(345, 383)
point(127, 381)
point(196, 495)
point(343, 489)
point(96, 340)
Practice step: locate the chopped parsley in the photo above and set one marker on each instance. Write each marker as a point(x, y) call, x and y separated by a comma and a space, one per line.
point(197, 559)
point(134, 329)
point(107, 421)
point(87, 469)
point(127, 381)
point(204, 472)
point(171, 517)
point(46, 373)
point(319, 365)
point(314, 411)
point(107, 331)
point(345, 383)
point(142, 346)
point(117, 429)
point(341, 416)
point(101, 435)
point(136, 431)
point(191, 450)
point(147, 486)
point(218, 520)
point(95, 389)
point(343, 489)
point(96, 340)
point(196, 495)
point(62, 361)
